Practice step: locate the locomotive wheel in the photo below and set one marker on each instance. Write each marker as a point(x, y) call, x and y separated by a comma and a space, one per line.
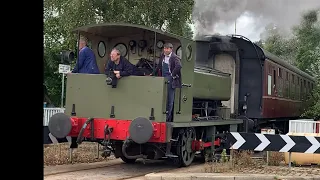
point(126, 160)
point(185, 152)
point(118, 153)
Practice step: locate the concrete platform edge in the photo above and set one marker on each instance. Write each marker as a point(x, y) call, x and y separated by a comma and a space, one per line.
point(221, 176)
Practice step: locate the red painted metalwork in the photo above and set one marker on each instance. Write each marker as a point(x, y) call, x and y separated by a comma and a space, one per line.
point(198, 145)
point(120, 129)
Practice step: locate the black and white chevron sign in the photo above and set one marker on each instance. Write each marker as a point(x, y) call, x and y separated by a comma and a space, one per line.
point(273, 142)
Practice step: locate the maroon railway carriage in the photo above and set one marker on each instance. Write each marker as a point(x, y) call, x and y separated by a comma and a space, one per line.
point(266, 89)
point(285, 88)
point(277, 90)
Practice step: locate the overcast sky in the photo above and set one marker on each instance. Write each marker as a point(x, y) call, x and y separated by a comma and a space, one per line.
point(243, 25)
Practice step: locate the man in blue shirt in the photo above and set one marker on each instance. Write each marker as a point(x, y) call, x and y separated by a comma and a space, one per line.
point(87, 60)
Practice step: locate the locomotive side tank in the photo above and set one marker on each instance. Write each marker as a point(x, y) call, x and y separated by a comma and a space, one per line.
point(129, 120)
point(211, 84)
point(91, 97)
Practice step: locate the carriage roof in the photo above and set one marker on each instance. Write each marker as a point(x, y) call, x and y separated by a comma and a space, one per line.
point(286, 64)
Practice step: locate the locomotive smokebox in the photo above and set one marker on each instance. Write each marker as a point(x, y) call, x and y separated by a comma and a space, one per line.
point(60, 125)
point(140, 130)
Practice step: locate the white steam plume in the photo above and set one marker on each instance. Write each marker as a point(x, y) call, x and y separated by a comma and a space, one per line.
point(284, 13)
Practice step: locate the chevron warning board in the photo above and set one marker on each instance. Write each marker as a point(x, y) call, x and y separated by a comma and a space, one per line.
point(273, 142)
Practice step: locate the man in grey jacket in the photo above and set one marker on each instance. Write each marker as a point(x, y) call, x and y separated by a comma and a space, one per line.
point(169, 67)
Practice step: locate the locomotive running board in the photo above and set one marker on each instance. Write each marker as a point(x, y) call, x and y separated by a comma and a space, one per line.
point(206, 123)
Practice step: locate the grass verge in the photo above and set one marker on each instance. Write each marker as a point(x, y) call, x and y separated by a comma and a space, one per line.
point(242, 161)
point(57, 154)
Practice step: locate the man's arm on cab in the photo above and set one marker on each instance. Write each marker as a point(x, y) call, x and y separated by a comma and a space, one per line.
point(79, 63)
point(108, 67)
point(177, 66)
point(127, 69)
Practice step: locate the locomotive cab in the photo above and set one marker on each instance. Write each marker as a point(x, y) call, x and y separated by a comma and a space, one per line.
point(142, 47)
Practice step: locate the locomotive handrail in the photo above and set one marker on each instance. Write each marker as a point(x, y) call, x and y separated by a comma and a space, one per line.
point(210, 71)
point(186, 85)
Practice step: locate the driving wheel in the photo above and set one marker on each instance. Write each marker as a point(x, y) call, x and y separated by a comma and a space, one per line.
point(185, 152)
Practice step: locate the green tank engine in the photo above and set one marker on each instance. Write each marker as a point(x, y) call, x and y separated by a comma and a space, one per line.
point(130, 120)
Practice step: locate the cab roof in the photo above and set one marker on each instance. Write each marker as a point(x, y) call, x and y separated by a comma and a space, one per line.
point(118, 29)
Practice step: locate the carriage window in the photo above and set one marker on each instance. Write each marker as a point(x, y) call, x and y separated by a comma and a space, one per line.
point(292, 78)
point(274, 77)
point(280, 72)
point(301, 90)
point(287, 76)
point(269, 84)
point(305, 89)
point(269, 69)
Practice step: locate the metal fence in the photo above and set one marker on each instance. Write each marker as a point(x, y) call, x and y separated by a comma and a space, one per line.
point(48, 112)
point(304, 126)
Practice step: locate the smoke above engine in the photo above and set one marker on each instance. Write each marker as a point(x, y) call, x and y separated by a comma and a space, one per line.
point(284, 13)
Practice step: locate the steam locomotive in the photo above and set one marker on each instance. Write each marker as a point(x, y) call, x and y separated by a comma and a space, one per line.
point(229, 84)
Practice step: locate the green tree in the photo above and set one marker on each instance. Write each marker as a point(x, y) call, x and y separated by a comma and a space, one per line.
point(259, 43)
point(308, 37)
point(187, 31)
point(276, 42)
point(61, 16)
point(308, 55)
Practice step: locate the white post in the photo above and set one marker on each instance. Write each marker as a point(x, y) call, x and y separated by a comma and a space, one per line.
point(63, 69)
point(62, 90)
point(268, 131)
point(289, 159)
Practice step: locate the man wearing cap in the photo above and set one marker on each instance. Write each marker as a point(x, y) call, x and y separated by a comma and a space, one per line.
point(169, 67)
point(87, 60)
